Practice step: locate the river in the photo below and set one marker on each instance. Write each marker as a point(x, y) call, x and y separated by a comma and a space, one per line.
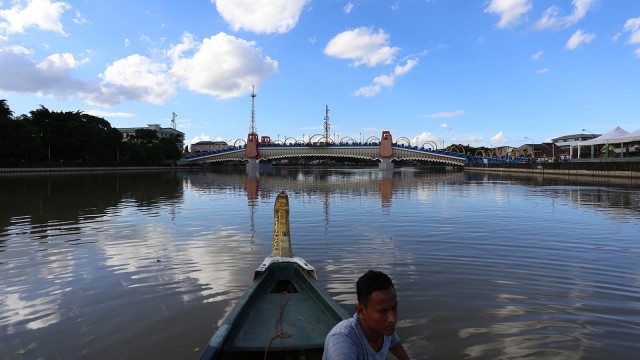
point(138, 265)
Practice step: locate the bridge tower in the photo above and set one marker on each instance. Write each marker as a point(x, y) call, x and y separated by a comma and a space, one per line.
point(252, 138)
point(386, 151)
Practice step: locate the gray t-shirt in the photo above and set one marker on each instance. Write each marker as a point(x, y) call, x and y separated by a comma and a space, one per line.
point(346, 341)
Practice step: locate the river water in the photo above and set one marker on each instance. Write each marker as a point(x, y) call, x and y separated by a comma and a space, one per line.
point(146, 265)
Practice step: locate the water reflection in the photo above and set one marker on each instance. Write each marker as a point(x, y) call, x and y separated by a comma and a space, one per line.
point(486, 266)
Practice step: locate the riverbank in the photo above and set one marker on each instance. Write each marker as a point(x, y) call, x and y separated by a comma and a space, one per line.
point(595, 169)
point(40, 170)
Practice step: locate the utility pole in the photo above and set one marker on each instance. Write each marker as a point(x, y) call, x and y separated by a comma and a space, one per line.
point(327, 127)
point(252, 127)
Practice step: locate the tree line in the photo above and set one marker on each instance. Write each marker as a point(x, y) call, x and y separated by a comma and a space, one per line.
point(69, 138)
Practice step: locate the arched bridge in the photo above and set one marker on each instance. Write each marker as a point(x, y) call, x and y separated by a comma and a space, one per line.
point(384, 150)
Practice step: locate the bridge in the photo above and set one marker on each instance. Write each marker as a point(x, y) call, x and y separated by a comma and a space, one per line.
point(384, 150)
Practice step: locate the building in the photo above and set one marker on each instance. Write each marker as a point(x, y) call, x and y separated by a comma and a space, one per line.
point(128, 133)
point(565, 143)
point(568, 140)
point(206, 146)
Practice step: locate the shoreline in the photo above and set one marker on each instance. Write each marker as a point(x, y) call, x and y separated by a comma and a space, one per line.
point(560, 172)
point(42, 170)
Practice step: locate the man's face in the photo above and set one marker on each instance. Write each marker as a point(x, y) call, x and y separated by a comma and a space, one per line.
point(379, 314)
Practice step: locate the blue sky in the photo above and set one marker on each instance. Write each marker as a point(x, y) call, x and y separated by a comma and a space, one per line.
point(486, 72)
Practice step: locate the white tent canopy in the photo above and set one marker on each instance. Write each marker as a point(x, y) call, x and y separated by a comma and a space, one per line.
point(616, 136)
point(612, 137)
point(634, 136)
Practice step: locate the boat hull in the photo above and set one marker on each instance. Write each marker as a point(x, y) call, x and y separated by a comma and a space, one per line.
point(283, 312)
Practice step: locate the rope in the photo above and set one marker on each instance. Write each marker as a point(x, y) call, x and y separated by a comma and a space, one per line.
point(279, 333)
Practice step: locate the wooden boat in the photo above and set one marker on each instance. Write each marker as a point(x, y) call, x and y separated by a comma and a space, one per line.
point(283, 314)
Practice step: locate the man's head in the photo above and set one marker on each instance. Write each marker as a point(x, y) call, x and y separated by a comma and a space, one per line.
point(377, 303)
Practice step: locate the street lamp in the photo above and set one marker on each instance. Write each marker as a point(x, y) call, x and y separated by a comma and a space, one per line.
point(592, 136)
point(533, 152)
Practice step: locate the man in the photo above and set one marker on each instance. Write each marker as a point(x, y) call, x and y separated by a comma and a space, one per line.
point(371, 332)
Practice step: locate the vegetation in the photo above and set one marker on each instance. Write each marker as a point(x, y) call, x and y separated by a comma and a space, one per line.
point(70, 138)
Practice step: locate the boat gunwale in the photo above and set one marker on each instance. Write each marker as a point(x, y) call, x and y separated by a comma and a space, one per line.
point(232, 323)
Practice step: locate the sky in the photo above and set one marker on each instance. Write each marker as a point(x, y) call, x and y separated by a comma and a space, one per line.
point(483, 73)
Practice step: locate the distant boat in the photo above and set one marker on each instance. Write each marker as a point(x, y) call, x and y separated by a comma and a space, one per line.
point(283, 313)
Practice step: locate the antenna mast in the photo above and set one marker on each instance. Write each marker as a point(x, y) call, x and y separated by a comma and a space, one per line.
point(173, 120)
point(327, 127)
point(252, 128)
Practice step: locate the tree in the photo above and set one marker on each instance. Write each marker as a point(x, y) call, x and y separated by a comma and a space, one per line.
point(145, 136)
point(5, 112)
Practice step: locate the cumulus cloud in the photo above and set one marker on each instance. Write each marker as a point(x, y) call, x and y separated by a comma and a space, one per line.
point(386, 80)
point(499, 139)
point(363, 46)
point(427, 139)
point(510, 11)
point(261, 16)
point(49, 77)
point(445, 114)
point(136, 78)
point(551, 17)
point(224, 66)
point(632, 26)
point(578, 38)
point(43, 14)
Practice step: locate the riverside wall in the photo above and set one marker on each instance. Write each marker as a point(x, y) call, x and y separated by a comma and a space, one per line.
point(613, 168)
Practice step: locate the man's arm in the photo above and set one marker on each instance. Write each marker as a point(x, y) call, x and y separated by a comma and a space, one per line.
point(398, 351)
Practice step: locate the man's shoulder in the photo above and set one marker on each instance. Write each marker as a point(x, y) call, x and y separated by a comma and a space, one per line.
point(342, 341)
point(345, 327)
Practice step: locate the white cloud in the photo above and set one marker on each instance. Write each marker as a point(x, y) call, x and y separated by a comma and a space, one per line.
point(444, 126)
point(386, 80)
point(136, 77)
point(424, 138)
point(110, 114)
point(261, 16)
point(59, 63)
point(188, 43)
point(637, 52)
point(445, 114)
point(43, 14)
point(578, 38)
point(633, 27)
point(499, 139)
point(363, 46)
point(79, 19)
point(49, 77)
point(127, 42)
point(224, 66)
point(542, 71)
point(348, 8)
point(551, 17)
point(537, 55)
point(510, 11)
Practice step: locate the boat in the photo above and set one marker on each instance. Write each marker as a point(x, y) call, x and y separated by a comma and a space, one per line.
point(284, 313)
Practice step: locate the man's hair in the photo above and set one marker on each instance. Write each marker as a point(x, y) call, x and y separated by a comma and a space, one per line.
point(371, 281)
